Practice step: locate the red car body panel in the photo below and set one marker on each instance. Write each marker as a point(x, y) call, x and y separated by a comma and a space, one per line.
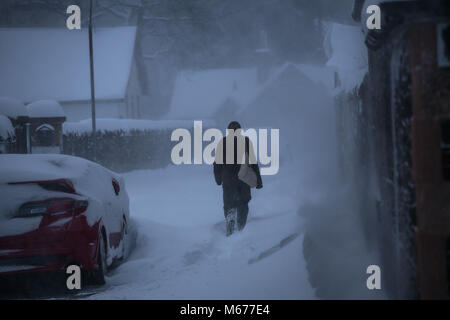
point(53, 248)
point(55, 208)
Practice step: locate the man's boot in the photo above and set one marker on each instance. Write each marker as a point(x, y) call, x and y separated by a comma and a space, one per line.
point(231, 221)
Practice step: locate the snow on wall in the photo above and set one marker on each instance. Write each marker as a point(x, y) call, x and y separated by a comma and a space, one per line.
point(6, 128)
point(348, 54)
point(11, 107)
point(45, 63)
point(45, 109)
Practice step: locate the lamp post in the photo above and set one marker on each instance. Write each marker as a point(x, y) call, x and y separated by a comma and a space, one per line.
point(91, 60)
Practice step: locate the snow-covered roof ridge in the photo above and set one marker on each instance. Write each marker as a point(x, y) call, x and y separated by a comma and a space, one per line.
point(45, 109)
point(53, 63)
point(12, 108)
point(199, 94)
point(318, 74)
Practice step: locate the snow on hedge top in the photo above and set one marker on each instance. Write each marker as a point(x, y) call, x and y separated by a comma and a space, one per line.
point(199, 94)
point(46, 63)
point(45, 109)
point(349, 54)
point(6, 128)
point(126, 125)
point(12, 108)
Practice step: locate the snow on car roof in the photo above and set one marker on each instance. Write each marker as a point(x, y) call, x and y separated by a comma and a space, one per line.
point(89, 179)
point(45, 109)
point(37, 167)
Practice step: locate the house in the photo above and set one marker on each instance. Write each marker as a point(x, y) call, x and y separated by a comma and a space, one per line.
point(290, 90)
point(223, 95)
point(294, 99)
point(50, 63)
point(397, 125)
point(215, 95)
point(283, 97)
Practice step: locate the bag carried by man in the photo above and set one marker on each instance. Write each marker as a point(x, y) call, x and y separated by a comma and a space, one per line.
point(246, 173)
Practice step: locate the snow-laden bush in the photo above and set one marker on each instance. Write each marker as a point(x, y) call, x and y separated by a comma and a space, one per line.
point(6, 129)
point(7, 135)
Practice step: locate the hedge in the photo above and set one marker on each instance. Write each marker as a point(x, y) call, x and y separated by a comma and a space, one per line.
point(122, 150)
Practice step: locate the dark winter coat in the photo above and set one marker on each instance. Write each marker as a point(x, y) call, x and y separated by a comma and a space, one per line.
point(235, 192)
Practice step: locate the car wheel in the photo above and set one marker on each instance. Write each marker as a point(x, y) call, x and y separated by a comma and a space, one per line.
point(124, 238)
point(99, 274)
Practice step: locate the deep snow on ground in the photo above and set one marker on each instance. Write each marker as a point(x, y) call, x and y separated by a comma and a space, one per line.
point(182, 251)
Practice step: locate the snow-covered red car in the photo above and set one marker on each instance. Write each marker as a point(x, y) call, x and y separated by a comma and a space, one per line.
point(58, 210)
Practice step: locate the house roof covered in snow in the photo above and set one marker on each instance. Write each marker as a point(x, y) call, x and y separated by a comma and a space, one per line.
point(320, 75)
point(45, 109)
point(46, 63)
point(199, 94)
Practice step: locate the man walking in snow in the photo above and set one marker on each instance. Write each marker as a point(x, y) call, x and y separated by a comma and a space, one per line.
point(236, 193)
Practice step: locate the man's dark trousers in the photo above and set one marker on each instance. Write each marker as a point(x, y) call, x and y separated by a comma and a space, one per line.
point(236, 200)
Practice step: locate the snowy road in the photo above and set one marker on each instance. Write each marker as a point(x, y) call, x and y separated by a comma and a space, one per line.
point(182, 252)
